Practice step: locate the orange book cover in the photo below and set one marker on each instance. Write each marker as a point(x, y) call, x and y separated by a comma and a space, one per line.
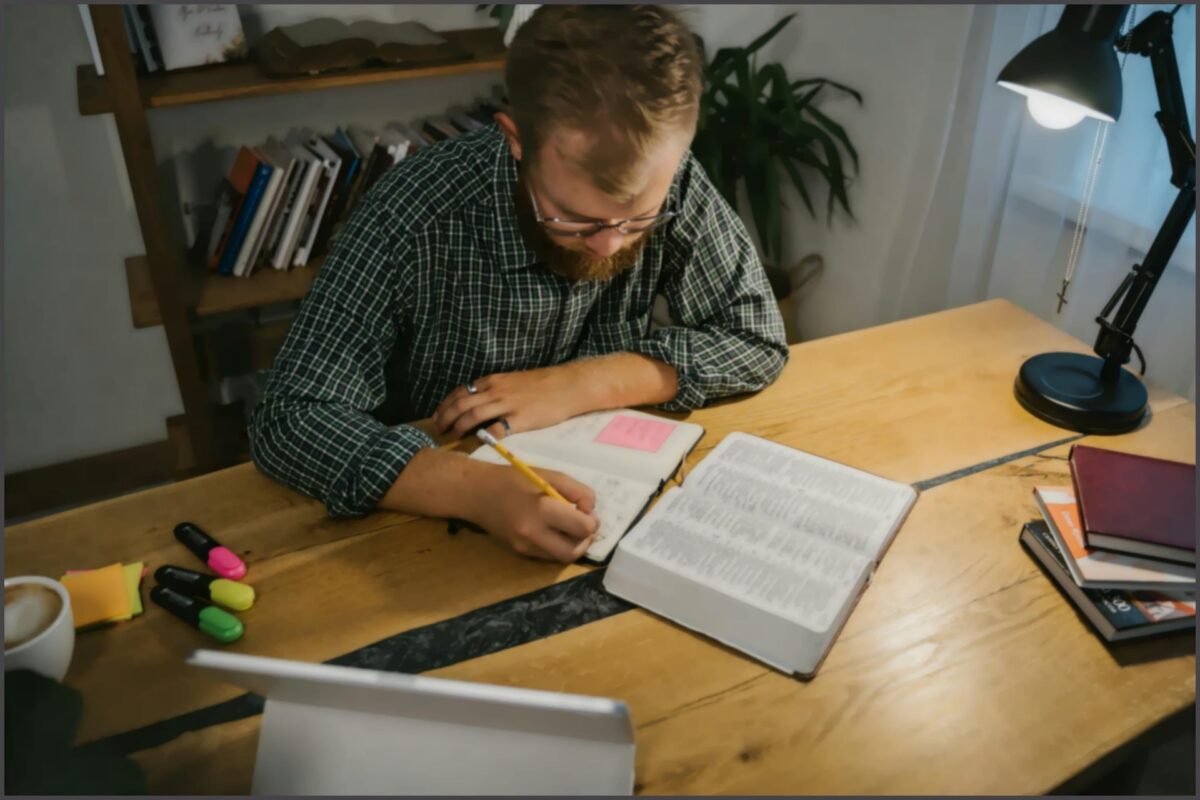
point(239, 179)
point(1102, 569)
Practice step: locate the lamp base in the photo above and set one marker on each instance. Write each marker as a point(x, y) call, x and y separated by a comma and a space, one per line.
point(1065, 389)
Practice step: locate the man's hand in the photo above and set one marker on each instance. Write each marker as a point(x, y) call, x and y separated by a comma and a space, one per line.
point(497, 498)
point(538, 398)
point(536, 525)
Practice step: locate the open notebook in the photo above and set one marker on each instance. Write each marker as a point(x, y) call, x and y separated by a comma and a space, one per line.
point(765, 548)
point(624, 456)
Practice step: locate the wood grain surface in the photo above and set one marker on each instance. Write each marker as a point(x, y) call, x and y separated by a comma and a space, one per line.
point(961, 671)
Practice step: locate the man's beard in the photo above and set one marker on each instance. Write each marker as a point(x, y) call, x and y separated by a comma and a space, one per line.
point(571, 264)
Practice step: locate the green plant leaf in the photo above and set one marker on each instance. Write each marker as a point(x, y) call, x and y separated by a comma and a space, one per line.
point(798, 182)
point(826, 82)
point(837, 181)
point(837, 130)
point(755, 45)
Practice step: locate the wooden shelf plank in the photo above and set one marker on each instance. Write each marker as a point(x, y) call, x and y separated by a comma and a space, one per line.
point(219, 293)
point(245, 79)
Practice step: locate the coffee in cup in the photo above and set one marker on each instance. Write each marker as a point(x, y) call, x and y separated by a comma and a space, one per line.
point(39, 629)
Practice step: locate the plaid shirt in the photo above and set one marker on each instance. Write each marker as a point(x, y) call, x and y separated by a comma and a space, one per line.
point(431, 285)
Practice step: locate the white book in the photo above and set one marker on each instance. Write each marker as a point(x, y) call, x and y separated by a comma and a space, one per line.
point(86, 14)
point(293, 225)
point(333, 730)
point(287, 196)
point(765, 548)
point(331, 163)
point(245, 260)
point(625, 457)
point(410, 133)
point(396, 143)
point(283, 160)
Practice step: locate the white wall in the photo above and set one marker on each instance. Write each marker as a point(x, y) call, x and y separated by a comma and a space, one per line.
point(78, 378)
point(905, 61)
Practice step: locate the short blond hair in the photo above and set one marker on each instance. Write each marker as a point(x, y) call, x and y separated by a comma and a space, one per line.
point(624, 76)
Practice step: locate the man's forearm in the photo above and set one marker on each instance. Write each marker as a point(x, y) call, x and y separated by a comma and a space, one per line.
point(437, 483)
point(619, 380)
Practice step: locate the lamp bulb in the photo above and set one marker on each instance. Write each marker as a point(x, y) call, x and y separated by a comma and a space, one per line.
point(1054, 112)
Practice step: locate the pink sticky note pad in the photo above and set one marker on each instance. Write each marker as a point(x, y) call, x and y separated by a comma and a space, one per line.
point(636, 433)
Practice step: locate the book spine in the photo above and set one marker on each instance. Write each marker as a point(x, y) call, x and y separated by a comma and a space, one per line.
point(291, 234)
point(245, 218)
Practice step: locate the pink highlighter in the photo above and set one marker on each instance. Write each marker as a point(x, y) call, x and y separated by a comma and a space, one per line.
point(219, 559)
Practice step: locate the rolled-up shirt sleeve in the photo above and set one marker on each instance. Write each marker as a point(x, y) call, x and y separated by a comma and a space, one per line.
point(727, 335)
point(312, 430)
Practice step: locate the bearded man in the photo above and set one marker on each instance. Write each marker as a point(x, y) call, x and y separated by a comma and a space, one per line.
point(506, 278)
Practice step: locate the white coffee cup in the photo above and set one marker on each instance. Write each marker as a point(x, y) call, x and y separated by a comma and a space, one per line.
point(50, 651)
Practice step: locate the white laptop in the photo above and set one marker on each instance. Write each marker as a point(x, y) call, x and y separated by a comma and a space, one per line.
point(338, 730)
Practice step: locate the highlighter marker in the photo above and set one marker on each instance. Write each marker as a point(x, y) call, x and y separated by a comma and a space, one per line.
point(220, 560)
point(232, 595)
point(220, 625)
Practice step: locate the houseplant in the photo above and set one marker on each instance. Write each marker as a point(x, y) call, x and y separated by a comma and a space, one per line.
point(755, 123)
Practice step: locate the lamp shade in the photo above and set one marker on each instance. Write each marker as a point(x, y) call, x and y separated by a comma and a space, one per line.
point(1072, 71)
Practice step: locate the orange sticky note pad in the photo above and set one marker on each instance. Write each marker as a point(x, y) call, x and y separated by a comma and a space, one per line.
point(98, 595)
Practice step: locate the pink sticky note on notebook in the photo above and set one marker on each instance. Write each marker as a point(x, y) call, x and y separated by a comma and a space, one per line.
point(636, 433)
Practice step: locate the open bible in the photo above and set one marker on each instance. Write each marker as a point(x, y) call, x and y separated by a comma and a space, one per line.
point(624, 456)
point(765, 548)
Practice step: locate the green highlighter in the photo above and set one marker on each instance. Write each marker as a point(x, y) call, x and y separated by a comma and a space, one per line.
point(220, 625)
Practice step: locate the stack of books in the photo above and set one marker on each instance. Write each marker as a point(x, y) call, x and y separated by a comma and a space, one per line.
point(1120, 541)
point(285, 201)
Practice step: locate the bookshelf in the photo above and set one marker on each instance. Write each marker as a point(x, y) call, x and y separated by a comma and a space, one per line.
point(245, 80)
point(165, 288)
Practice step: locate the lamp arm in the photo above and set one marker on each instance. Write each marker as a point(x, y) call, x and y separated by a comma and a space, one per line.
point(1152, 38)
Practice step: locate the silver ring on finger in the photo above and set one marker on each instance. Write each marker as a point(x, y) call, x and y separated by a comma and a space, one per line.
point(471, 387)
point(507, 427)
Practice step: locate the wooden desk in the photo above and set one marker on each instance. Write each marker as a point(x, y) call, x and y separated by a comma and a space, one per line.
point(961, 671)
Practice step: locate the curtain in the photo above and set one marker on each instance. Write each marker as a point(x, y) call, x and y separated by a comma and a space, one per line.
point(1004, 209)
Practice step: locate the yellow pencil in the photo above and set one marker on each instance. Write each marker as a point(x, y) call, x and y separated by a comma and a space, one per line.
point(521, 466)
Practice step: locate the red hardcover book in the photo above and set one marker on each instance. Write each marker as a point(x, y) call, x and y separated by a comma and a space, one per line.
point(1136, 504)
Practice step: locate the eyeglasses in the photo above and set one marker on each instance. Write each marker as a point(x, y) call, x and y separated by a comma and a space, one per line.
point(556, 226)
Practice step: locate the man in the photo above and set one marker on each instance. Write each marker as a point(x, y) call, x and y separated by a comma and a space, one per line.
point(506, 278)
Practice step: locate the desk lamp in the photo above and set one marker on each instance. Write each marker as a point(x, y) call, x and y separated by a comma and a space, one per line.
point(1066, 75)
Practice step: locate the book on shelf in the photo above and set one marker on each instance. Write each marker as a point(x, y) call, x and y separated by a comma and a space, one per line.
point(1136, 504)
point(765, 548)
point(248, 178)
point(330, 166)
point(138, 20)
point(294, 176)
point(352, 161)
point(325, 44)
point(625, 456)
point(313, 170)
point(283, 165)
point(90, 31)
point(262, 210)
point(414, 136)
point(439, 129)
point(1102, 569)
point(1115, 614)
point(464, 123)
point(195, 35)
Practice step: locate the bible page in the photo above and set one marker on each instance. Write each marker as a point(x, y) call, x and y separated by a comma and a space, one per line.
point(842, 506)
point(761, 562)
